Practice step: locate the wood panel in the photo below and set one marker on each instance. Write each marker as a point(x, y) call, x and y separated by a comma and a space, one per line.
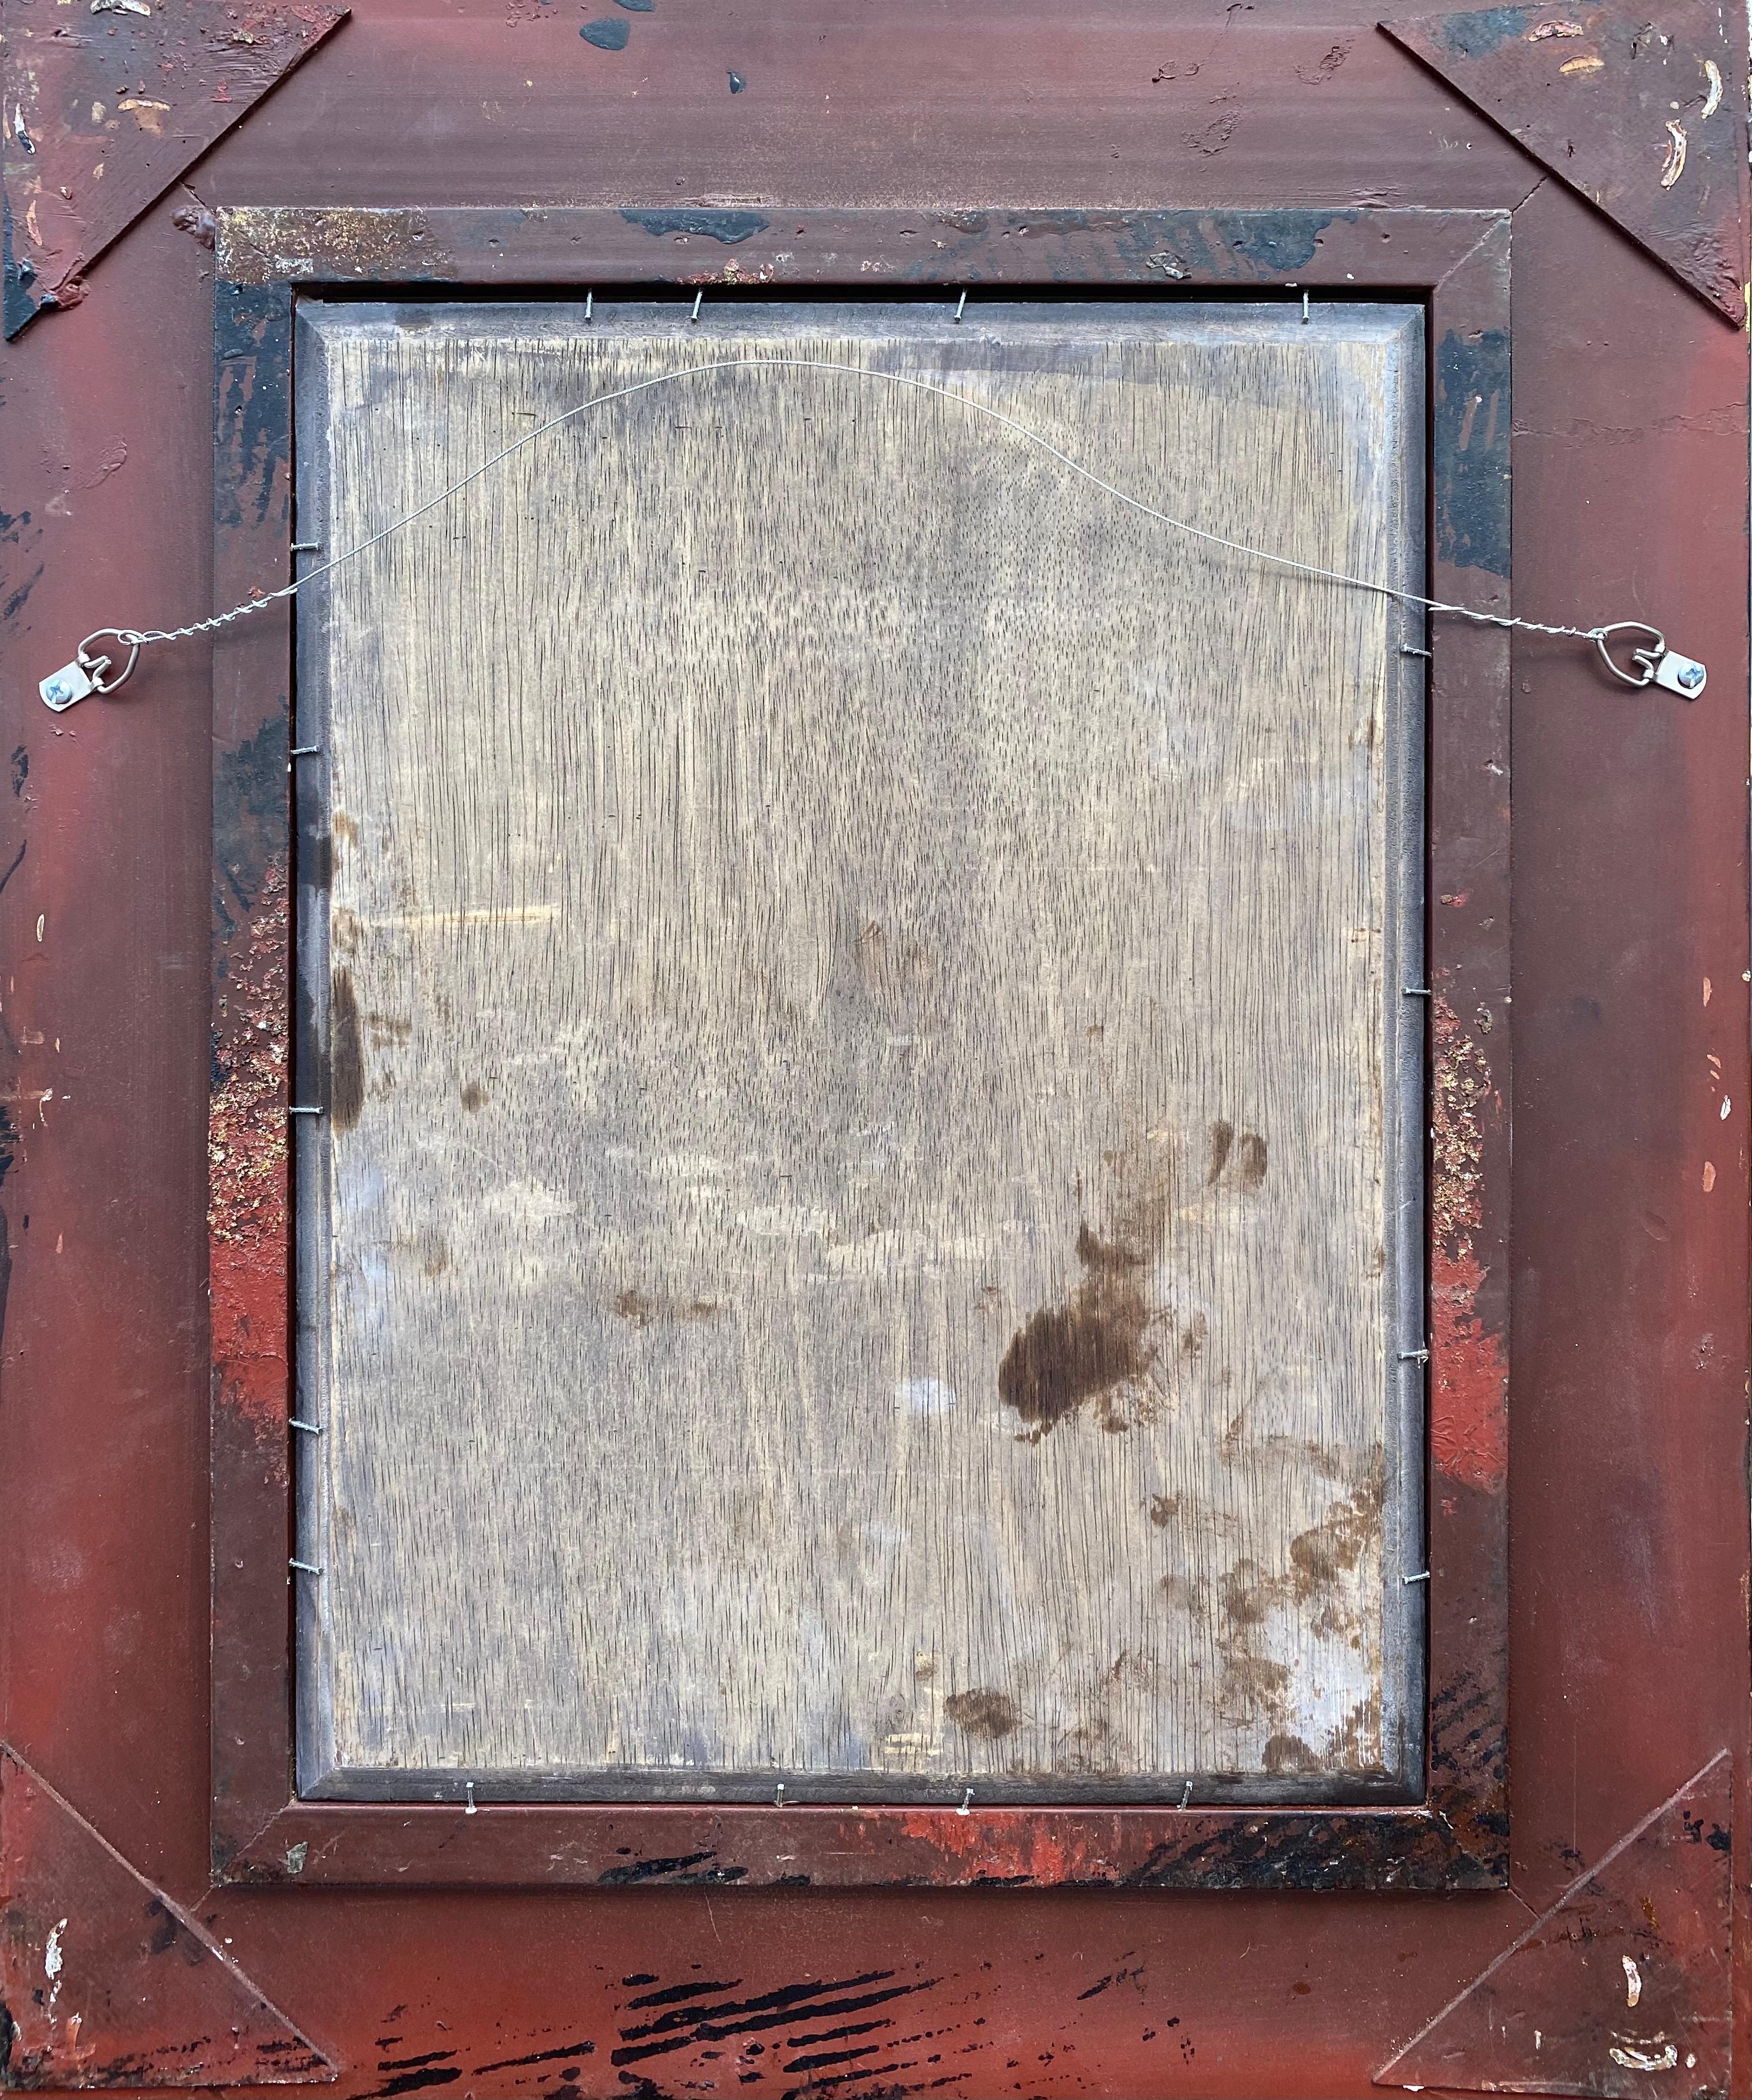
point(866, 1220)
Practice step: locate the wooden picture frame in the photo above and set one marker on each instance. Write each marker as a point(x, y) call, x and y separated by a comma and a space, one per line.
point(1456, 1837)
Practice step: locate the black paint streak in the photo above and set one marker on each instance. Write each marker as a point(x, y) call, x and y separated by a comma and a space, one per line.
point(15, 605)
point(540, 2056)
point(658, 1870)
point(20, 769)
point(687, 2026)
point(833, 2056)
point(249, 818)
point(1479, 33)
point(737, 83)
point(676, 1992)
point(1472, 450)
point(17, 858)
point(164, 1933)
point(839, 2034)
point(254, 356)
point(17, 307)
point(729, 226)
point(418, 2062)
point(606, 33)
point(11, 1143)
point(416, 2082)
point(637, 7)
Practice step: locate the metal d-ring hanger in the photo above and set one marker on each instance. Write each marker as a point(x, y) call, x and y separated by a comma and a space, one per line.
point(1652, 665)
point(1657, 665)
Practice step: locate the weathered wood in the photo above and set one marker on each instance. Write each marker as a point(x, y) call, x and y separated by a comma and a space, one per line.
point(868, 1207)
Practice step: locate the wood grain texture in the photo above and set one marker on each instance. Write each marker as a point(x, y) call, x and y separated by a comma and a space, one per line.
point(868, 1206)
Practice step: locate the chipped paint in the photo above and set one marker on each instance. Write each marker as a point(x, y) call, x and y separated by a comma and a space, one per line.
point(246, 1159)
point(267, 243)
point(1641, 2055)
point(1468, 1362)
point(1633, 1982)
point(53, 1961)
point(1674, 165)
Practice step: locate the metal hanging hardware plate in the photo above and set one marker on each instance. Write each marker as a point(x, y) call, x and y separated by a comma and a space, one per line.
point(1655, 664)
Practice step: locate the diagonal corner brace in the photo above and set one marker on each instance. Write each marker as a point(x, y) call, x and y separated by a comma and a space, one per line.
point(108, 1981)
point(85, 148)
point(1640, 110)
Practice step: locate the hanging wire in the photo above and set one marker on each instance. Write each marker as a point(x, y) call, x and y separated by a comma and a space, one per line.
point(141, 637)
point(134, 639)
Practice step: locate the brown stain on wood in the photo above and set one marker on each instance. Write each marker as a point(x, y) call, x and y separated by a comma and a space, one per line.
point(346, 1056)
point(475, 1097)
point(988, 1713)
point(1249, 1160)
point(1320, 1556)
point(638, 1309)
point(1066, 1355)
point(1288, 1754)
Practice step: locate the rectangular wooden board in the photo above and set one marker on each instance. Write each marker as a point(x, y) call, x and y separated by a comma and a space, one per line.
point(869, 1205)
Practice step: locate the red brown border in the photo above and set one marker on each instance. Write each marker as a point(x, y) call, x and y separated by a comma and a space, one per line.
point(1457, 1836)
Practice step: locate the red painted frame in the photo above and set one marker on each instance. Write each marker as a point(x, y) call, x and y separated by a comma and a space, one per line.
point(1457, 1836)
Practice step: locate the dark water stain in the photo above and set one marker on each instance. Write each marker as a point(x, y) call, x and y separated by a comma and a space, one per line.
point(1162, 1509)
point(1252, 1160)
point(1222, 1142)
point(1065, 1355)
point(607, 33)
point(729, 226)
point(637, 7)
point(987, 1714)
point(1471, 450)
point(347, 1054)
point(475, 1097)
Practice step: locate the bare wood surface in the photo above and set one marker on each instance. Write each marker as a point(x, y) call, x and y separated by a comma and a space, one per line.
point(861, 1231)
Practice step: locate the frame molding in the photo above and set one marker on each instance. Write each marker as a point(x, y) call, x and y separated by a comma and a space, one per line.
point(1457, 1836)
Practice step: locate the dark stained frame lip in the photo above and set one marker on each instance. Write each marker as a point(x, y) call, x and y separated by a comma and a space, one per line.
point(1457, 1836)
